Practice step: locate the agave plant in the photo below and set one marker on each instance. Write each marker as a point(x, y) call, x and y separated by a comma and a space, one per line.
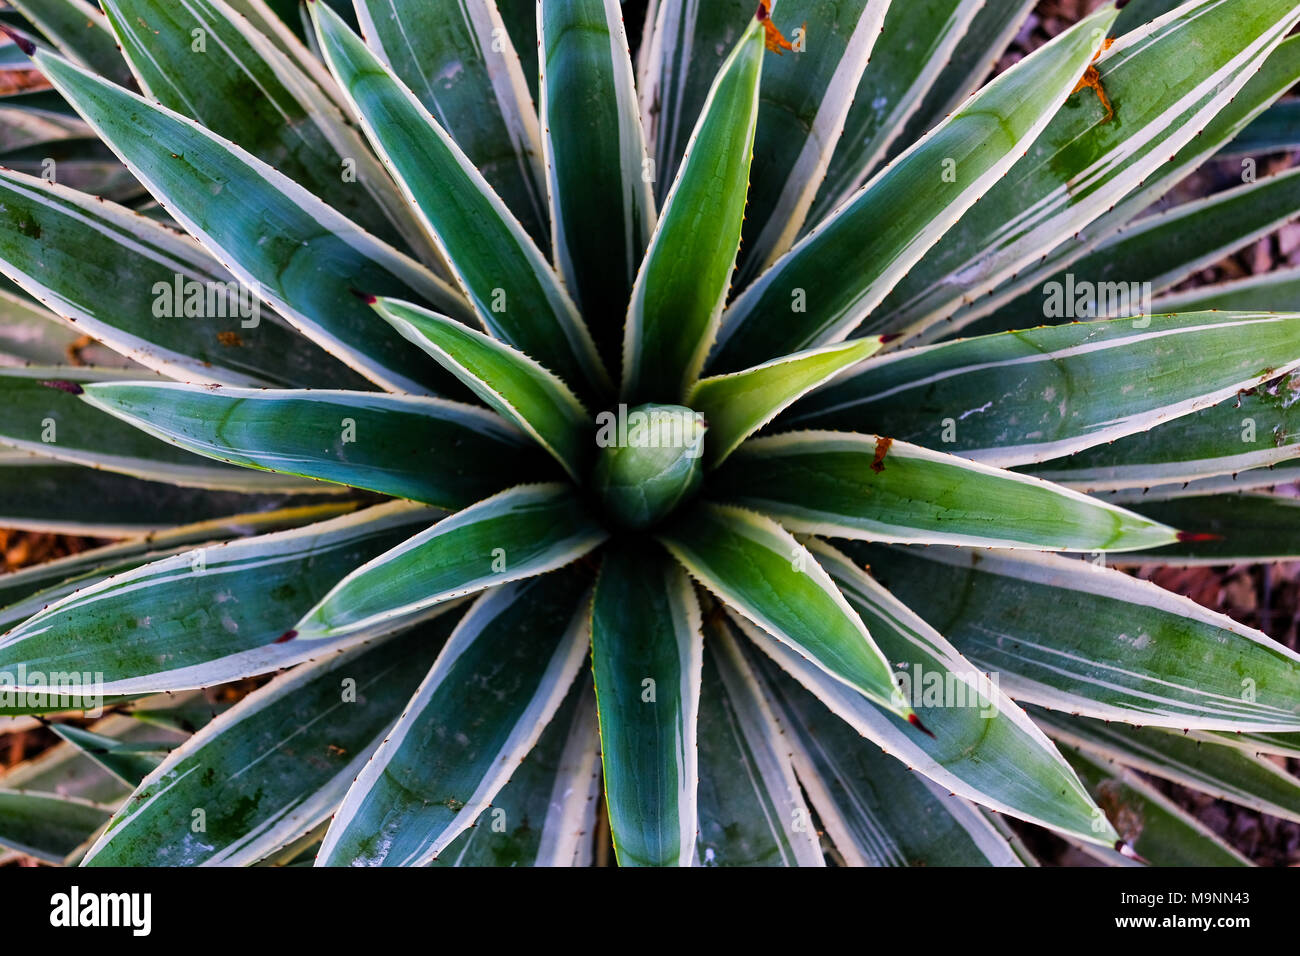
point(440, 395)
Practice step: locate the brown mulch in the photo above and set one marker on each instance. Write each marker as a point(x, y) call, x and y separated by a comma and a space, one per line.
point(18, 549)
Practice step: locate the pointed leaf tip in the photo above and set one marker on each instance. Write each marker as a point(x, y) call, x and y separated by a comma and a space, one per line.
point(72, 388)
point(24, 44)
point(287, 636)
point(1198, 536)
point(915, 721)
point(1124, 849)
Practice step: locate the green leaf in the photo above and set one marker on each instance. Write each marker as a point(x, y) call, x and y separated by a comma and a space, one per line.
point(876, 811)
point(37, 119)
point(917, 39)
point(546, 814)
point(752, 812)
point(129, 762)
point(31, 334)
point(807, 94)
point(1156, 253)
point(71, 772)
point(1084, 163)
point(1273, 131)
point(458, 59)
point(237, 83)
point(507, 380)
point(494, 687)
point(835, 277)
point(985, 769)
point(1019, 397)
point(205, 616)
point(1278, 290)
point(602, 200)
point(48, 577)
point(36, 495)
point(739, 404)
point(41, 414)
point(755, 566)
point(679, 293)
point(307, 734)
point(1222, 772)
point(964, 707)
point(526, 531)
point(127, 281)
point(683, 48)
point(1153, 825)
point(863, 486)
point(1255, 429)
point(46, 826)
point(980, 49)
point(79, 30)
point(991, 312)
point(520, 19)
point(646, 657)
point(423, 449)
point(514, 291)
point(1225, 529)
point(1253, 480)
point(1077, 637)
point(289, 247)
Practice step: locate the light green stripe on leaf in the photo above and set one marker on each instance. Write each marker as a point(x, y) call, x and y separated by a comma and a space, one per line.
point(864, 486)
point(679, 293)
point(601, 193)
point(423, 449)
point(208, 615)
point(824, 287)
point(737, 405)
point(289, 247)
point(1019, 397)
point(509, 381)
point(1087, 639)
point(308, 733)
point(491, 692)
point(515, 293)
point(526, 531)
point(758, 568)
point(646, 657)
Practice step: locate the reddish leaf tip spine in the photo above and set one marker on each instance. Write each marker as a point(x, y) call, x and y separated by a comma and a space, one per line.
point(24, 44)
point(915, 721)
point(72, 388)
point(1193, 537)
point(288, 635)
point(1125, 850)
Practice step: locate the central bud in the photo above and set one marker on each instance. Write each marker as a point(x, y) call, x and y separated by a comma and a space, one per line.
point(649, 461)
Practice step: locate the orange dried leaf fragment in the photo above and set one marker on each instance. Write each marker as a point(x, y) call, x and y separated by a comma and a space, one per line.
point(1092, 81)
point(772, 37)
